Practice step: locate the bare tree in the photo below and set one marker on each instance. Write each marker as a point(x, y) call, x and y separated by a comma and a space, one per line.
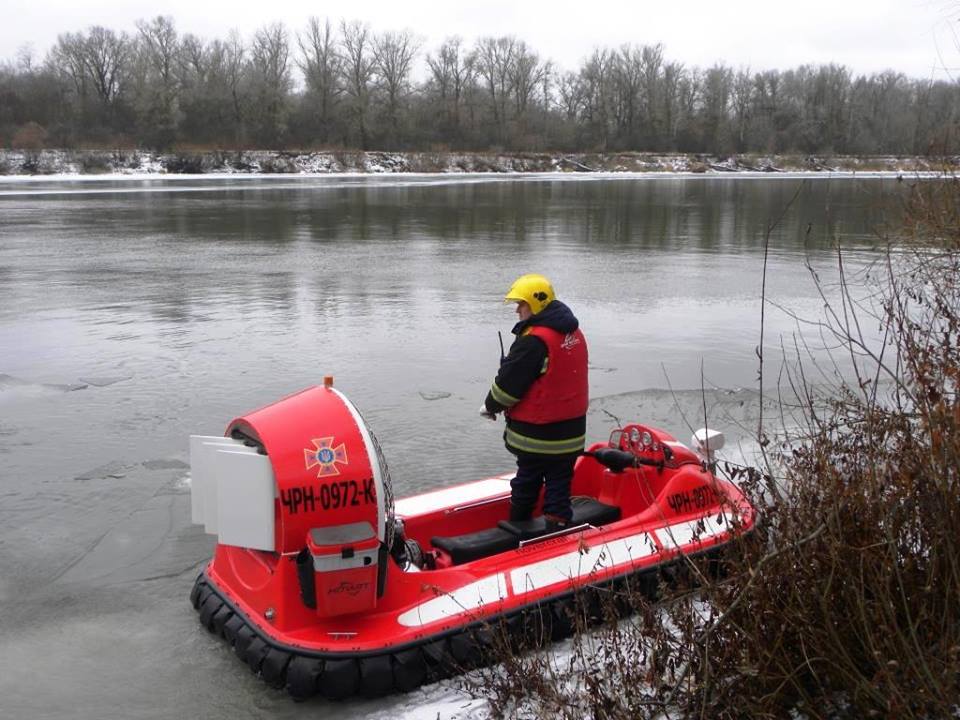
point(717, 84)
point(831, 90)
point(673, 74)
point(270, 78)
point(766, 104)
point(101, 85)
point(358, 71)
point(191, 58)
point(32, 99)
point(69, 56)
point(571, 96)
point(215, 92)
point(741, 103)
point(689, 89)
point(322, 69)
point(596, 76)
point(525, 73)
point(494, 59)
point(393, 54)
point(452, 72)
point(161, 45)
point(26, 59)
point(193, 73)
point(627, 67)
point(210, 97)
point(158, 94)
point(105, 53)
point(96, 63)
point(652, 64)
point(229, 61)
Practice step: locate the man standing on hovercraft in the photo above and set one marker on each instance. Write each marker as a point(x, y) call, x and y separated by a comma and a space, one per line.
point(542, 390)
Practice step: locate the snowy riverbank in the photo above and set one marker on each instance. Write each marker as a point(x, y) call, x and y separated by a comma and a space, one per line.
point(219, 162)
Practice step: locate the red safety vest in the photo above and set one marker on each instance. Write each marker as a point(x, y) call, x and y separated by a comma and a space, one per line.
point(561, 393)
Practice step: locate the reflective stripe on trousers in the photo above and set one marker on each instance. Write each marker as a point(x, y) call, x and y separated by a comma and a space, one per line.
point(544, 447)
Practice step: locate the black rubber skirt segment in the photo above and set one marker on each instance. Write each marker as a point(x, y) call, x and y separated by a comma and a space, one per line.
point(401, 669)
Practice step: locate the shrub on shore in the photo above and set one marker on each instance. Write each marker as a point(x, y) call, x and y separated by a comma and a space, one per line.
point(95, 163)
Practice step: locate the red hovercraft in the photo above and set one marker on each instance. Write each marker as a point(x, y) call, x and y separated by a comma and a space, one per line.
point(322, 584)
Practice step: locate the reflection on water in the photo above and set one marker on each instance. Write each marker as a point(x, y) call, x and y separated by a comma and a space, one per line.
point(204, 299)
point(227, 298)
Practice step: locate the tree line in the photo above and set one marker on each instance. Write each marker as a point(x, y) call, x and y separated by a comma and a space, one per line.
point(342, 85)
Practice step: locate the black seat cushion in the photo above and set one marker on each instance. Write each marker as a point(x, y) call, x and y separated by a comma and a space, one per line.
point(594, 512)
point(586, 510)
point(464, 548)
point(525, 529)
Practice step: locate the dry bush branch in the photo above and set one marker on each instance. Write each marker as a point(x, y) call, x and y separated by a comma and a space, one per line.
point(845, 602)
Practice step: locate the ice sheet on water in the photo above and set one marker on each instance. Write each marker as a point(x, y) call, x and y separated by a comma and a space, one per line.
point(105, 380)
point(111, 470)
point(434, 394)
point(9, 383)
point(165, 464)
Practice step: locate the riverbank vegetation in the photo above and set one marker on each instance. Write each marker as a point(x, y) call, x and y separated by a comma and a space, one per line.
point(343, 86)
point(141, 162)
point(846, 602)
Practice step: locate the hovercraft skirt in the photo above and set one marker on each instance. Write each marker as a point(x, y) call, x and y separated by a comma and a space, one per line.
point(337, 676)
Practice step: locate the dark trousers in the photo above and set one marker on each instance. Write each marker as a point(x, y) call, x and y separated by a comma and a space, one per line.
point(535, 471)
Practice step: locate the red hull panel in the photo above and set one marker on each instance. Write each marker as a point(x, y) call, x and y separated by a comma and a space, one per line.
point(264, 587)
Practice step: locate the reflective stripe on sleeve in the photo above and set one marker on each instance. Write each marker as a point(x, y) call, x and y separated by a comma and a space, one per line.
point(505, 399)
point(544, 447)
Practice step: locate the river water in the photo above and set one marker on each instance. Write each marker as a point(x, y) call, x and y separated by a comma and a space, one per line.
point(135, 312)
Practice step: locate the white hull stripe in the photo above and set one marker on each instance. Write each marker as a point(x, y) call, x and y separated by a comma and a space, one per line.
point(576, 564)
point(692, 531)
point(462, 600)
point(625, 551)
point(450, 497)
point(623, 554)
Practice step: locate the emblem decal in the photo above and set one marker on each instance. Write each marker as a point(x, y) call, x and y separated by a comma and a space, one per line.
point(570, 341)
point(324, 456)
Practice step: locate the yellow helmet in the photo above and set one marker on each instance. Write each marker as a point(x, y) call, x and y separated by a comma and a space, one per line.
point(533, 289)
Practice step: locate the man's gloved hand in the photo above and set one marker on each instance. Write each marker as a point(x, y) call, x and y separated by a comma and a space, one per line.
point(486, 413)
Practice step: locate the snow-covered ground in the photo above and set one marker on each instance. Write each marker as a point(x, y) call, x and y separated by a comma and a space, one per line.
point(108, 163)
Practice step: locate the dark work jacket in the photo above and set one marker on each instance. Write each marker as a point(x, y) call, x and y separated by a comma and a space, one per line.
point(523, 364)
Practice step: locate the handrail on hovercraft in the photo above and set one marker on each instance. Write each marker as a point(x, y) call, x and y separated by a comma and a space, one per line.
point(324, 584)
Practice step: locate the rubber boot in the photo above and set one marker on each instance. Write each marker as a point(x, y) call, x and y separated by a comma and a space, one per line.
point(519, 514)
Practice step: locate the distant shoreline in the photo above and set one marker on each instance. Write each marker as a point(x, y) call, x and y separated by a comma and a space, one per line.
point(21, 164)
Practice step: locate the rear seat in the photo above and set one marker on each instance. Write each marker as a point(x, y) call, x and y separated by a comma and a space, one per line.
point(472, 546)
point(507, 536)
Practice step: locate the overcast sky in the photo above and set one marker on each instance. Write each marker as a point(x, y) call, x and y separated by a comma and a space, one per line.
point(916, 37)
